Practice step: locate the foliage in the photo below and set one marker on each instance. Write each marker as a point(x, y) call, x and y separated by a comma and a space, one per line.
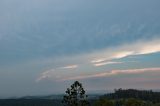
point(146, 95)
point(104, 102)
point(75, 96)
point(130, 97)
point(123, 102)
point(134, 102)
point(157, 104)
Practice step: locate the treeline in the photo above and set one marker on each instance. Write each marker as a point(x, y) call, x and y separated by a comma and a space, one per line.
point(129, 97)
point(124, 102)
point(121, 97)
point(146, 95)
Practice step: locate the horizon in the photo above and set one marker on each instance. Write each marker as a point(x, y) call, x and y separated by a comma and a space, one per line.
point(47, 45)
point(89, 94)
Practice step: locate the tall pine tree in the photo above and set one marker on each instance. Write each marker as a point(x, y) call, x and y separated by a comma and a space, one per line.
point(75, 96)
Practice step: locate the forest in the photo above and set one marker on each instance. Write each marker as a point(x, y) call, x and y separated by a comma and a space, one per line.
point(120, 97)
point(129, 97)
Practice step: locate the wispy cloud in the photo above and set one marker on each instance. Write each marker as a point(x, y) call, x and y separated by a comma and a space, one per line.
point(45, 75)
point(113, 72)
point(150, 48)
point(101, 58)
point(98, 60)
point(70, 67)
point(52, 73)
point(106, 63)
point(137, 48)
point(122, 54)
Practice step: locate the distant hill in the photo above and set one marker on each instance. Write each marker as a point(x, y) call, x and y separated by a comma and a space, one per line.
point(50, 100)
point(30, 102)
point(57, 97)
point(43, 97)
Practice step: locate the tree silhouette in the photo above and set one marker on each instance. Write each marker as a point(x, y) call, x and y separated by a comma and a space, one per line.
point(75, 96)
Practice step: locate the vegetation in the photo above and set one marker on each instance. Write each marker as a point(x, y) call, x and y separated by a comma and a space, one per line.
point(30, 102)
point(130, 97)
point(124, 102)
point(104, 102)
point(146, 95)
point(75, 96)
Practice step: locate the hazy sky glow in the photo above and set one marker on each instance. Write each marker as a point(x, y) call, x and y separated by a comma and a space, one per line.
point(47, 44)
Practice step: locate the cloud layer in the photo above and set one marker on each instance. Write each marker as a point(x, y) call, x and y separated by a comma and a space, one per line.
point(114, 72)
point(108, 58)
point(138, 48)
point(51, 40)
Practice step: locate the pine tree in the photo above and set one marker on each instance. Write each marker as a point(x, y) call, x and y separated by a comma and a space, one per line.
point(75, 96)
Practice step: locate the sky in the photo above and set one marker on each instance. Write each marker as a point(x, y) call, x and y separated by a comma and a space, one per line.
point(46, 45)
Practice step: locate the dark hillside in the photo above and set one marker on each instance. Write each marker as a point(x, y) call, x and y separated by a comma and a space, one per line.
point(146, 95)
point(30, 102)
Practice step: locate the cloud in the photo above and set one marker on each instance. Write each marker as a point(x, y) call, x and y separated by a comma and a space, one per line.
point(100, 58)
point(113, 72)
point(114, 55)
point(45, 75)
point(106, 63)
point(122, 51)
point(122, 54)
point(70, 67)
point(151, 48)
point(43, 33)
point(52, 73)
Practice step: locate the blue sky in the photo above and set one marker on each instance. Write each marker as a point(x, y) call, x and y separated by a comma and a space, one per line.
point(106, 44)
